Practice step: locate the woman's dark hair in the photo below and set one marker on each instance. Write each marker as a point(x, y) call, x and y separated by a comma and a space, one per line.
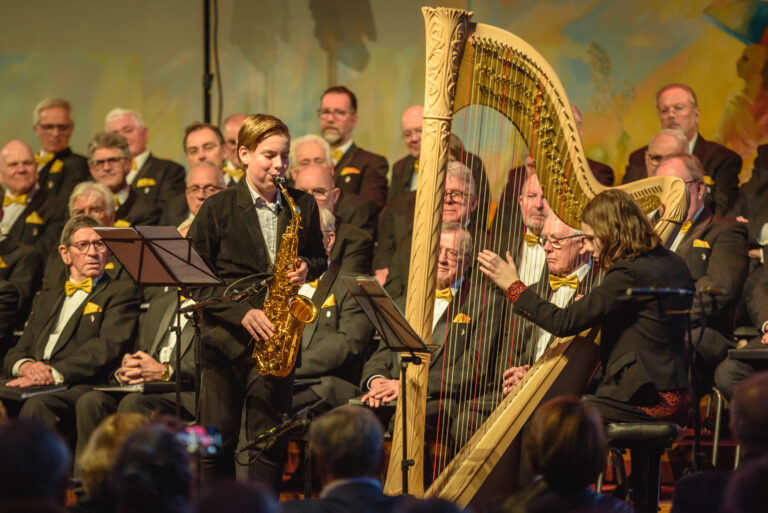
point(566, 443)
point(622, 230)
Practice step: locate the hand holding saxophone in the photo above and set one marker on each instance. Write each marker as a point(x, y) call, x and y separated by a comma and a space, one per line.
point(258, 325)
point(299, 273)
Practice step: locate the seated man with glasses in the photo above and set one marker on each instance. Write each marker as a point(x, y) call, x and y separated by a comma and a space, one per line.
point(232, 167)
point(76, 333)
point(204, 180)
point(59, 169)
point(357, 171)
point(570, 275)
point(392, 259)
point(353, 248)
point(110, 163)
point(715, 250)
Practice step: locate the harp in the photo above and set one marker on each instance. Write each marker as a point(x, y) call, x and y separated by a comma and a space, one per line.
point(479, 66)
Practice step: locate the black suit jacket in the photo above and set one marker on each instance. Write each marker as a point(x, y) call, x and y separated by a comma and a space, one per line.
point(353, 249)
point(603, 172)
point(22, 267)
point(40, 222)
point(355, 497)
point(158, 180)
point(753, 197)
point(720, 164)
point(175, 211)
point(91, 344)
point(639, 345)
point(227, 233)
point(334, 348)
point(60, 178)
point(469, 329)
point(364, 173)
point(358, 212)
point(715, 250)
point(402, 173)
point(138, 211)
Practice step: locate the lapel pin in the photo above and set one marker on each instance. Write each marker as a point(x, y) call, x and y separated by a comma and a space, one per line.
point(92, 318)
point(50, 184)
point(146, 190)
point(347, 179)
point(328, 313)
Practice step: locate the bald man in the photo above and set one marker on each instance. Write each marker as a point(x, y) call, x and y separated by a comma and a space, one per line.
point(31, 215)
point(231, 163)
point(405, 172)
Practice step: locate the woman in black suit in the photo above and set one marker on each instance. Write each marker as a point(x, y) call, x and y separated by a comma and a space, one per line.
point(642, 347)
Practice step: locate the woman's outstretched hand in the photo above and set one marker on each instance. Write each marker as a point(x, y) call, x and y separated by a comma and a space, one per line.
point(502, 273)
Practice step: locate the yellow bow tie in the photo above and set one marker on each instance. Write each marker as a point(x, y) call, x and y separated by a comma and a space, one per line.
point(237, 174)
point(133, 165)
point(86, 285)
point(43, 160)
point(531, 239)
point(444, 294)
point(336, 155)
point(686, 226)
point(555, 282)
point(117, 201)
point(416, 166)
point(313, 284)
point(21, 199)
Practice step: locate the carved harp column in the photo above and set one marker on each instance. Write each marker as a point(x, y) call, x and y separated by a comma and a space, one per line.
point(446, 32)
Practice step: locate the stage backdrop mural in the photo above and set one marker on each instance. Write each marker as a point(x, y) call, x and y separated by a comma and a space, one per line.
point(277, 56)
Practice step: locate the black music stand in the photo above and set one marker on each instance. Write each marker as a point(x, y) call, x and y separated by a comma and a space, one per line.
point(397, 334)
point(160, 256)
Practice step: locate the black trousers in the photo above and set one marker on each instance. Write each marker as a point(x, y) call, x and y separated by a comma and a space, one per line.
point(226, 387)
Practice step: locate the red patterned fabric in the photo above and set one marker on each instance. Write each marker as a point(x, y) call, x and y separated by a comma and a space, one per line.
point(514, 290)
point(673, 406)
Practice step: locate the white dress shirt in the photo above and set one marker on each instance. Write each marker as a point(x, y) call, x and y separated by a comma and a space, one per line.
point(532, 263)
point(267, 213)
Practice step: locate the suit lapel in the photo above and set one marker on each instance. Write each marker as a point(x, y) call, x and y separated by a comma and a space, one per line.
point(319, 297)
point(441, 333)
point(145, 170)
point(34, 204)
point(251, 221)
point(126, 207)
point(345, 159)
point(702, 221)
point(74, 320)
point(165, 320)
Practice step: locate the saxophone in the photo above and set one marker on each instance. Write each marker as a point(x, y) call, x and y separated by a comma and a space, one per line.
point(288, 311)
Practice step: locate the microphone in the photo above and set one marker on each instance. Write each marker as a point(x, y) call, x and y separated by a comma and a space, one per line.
point(711, 290)
point(255, 288)
point(653, 291)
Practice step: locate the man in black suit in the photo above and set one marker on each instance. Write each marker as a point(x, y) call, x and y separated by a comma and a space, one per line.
point(204, 180)
point(464, 330)
point(157, 180)
point(706, 491)
point(752, 205)
point(59, 169)
point(313, 150)
point(21, 271)
point(109, 158)
point(353, 248)
point(153, 361)
point(30, 214)
point(392, 259)
point(231, 167)
point(238, 231)
point(405, 172)
point(76, 333)
point(334, 348)
point(357, 171)
point(715, 250)
point(731, 372)
point(677, 107)
point(347, 444)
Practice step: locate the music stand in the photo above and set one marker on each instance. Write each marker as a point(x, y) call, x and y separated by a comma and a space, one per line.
point(160, 256)
point(397, 334)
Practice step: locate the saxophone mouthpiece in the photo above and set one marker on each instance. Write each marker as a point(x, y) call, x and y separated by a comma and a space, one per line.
point(279, 180)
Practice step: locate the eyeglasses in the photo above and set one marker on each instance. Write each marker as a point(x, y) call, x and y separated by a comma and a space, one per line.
point(450, 254)
point(97, 164)
point(654, 158)
point(83, 246)
point(689, 182)
point(52, 127)
point(557, 242)
point(677, 109)
point(336, 113)
point(207, 189)
point(455, 196)
point(231, 143)
point(319, 191)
